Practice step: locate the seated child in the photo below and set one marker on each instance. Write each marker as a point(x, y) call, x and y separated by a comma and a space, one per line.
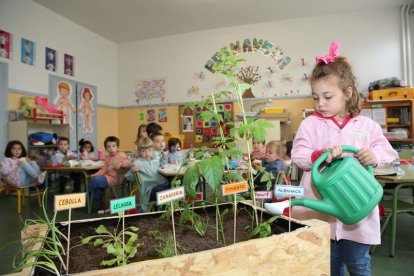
point(59, 156)
point(160, 152)
point(147, 166)
point(259, 149)
point(86, 150)
point(152, 128)
point(141, 133)
point(107, 175)
point(176, 155)
point(174, 143)
point(17, 168)
point(272, 162)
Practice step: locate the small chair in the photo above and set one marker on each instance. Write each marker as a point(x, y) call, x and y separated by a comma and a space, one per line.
point(392, 208)
point(135, 190)
point(20, 192)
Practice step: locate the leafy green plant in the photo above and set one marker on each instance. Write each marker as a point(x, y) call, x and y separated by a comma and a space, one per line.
point(165, 248)
point(188, 215)
point(51, 251)
point(264, 228)
point(266, 177)
point(114, 244)
point(212, 168)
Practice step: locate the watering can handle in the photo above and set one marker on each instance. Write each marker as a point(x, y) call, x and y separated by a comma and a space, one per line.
point(322, 158)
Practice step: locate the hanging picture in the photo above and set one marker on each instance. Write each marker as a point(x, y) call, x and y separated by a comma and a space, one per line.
point(69, 65)
point(5, 44)
point(86, 110)
point(28, 52)
point(151, 118)
point(162, 115)
point(50, 59)
point(187, 123)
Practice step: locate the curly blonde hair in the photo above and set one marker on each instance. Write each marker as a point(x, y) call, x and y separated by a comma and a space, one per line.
point(342, 69)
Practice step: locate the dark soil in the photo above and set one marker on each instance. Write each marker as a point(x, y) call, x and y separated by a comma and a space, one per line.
point(87, 257)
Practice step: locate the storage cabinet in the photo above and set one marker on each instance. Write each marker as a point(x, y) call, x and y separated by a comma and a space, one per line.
point(395, 117)
point(20, 130)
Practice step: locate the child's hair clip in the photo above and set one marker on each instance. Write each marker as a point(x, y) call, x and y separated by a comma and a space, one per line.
point(333, 53)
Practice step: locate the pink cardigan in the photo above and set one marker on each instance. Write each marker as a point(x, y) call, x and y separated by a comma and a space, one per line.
point(10, 169)
point(111, 166)
point(316, 133)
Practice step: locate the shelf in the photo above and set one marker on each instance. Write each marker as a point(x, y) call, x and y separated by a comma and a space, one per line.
point(389, 125)
point(41, 147)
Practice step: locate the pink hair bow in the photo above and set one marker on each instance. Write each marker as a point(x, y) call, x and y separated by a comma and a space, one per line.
point(333, 53)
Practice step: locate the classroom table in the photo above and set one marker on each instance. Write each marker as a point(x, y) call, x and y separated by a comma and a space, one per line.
point(396, 183)
point(86, 171)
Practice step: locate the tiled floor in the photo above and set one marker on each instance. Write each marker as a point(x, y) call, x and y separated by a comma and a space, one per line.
point(10, 225)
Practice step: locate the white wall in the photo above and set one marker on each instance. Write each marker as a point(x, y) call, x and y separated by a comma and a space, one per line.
point(95, 57)
point(371, 40)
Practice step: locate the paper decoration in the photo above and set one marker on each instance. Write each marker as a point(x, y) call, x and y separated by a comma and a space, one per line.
point(162, 115)
point(148, 90)
point(28, 52)
point(69, 65)
point(151, 116)
point(50, 59)
point(6, 44)
point(187, 123)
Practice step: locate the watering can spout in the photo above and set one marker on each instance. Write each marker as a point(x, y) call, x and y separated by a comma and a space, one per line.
point(323, 205)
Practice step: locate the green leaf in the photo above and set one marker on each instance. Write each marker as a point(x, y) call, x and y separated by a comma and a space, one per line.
point(133, 228)
point(109, 262)
point(272, 219)
point(101, 230)
point(213, 171)
point(98, 242)
point(191, 177)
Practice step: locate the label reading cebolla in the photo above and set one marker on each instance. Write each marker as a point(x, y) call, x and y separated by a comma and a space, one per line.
point(170, 195)
point(122, 204)
point(69, 201)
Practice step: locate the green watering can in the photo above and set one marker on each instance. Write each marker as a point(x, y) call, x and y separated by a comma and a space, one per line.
point(349, 191)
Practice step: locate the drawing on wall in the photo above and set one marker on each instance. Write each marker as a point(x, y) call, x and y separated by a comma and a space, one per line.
point(187, 123)
point(86, 109)
point(200, 75)
point(63, 102)
point(148, 90)
point(50, 63)
point(262, 46)
point(151, 116)
point(250, 75)
point(69, 65)
point(6, 43)
point(162, 115)
point(141, 116)
point(27, 52)
point(194, 90)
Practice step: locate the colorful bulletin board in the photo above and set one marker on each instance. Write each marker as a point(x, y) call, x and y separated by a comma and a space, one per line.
point(198, 133)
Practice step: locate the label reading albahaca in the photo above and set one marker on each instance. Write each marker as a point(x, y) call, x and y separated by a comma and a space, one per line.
point(289, 190)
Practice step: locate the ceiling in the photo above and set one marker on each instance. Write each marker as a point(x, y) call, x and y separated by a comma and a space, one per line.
point(129, 20)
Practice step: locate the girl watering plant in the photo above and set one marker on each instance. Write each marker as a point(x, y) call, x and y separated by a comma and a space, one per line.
point(337, 121)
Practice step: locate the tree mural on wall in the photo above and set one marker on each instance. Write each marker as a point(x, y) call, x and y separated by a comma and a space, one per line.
point(249, 75)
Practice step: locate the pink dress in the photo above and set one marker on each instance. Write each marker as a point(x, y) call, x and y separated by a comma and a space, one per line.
point(111, 166)
point(316, 133)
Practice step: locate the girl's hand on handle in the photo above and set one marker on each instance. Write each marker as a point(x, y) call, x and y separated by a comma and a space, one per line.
point(366, 157)
point(335, 154)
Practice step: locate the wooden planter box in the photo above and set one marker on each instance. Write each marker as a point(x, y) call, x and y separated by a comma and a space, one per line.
point(305, 251)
